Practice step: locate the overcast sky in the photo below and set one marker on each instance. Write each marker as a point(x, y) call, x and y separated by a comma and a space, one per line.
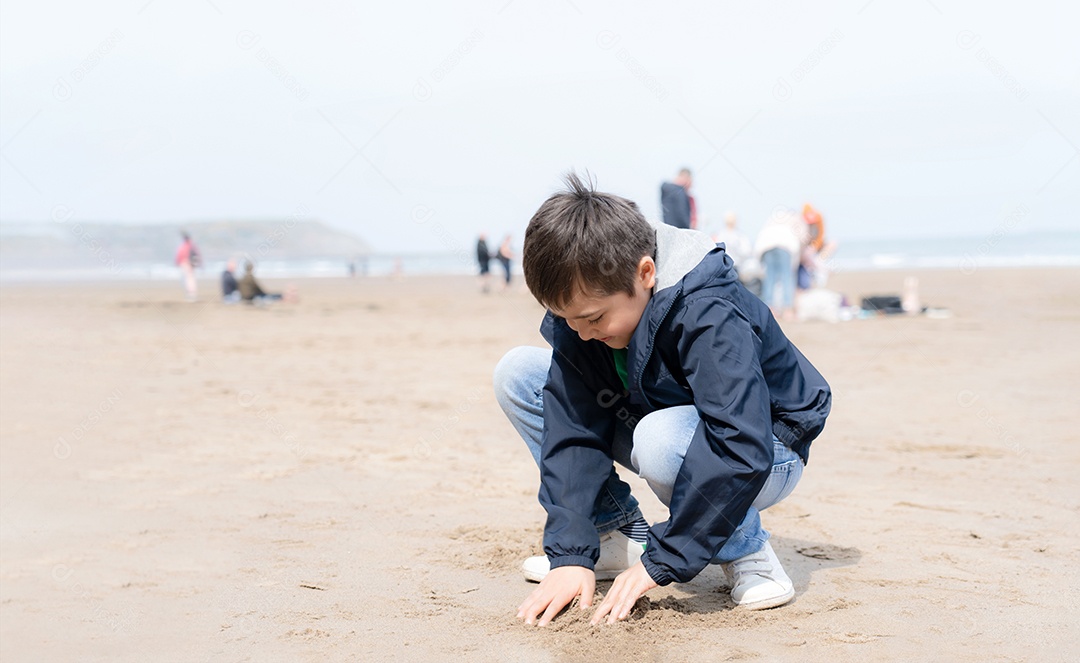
point(417, 125)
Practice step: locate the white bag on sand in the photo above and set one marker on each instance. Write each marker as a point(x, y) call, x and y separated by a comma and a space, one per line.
point(818, 304)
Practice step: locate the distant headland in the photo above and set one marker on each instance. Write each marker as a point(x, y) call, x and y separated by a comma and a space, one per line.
point(67, 243)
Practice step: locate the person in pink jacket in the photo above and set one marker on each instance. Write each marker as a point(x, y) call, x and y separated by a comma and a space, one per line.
point(187, 259)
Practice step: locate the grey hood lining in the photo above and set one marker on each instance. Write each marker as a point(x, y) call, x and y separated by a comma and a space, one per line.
point(678, 251)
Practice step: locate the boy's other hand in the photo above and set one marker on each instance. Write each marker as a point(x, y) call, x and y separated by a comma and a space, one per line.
point(628, 587)
point(556, 591)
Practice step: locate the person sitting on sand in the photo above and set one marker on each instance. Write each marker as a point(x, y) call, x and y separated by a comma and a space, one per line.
point(230, 289)
point(662, 361)
point(251, 291)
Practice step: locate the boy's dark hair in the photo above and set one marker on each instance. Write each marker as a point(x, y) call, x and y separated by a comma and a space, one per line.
point(581, 240)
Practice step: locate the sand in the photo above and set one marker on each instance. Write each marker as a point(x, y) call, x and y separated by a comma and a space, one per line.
point(333, 481)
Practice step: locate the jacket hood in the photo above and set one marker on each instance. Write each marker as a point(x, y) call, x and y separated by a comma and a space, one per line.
point(678, 251)
point(686, 262)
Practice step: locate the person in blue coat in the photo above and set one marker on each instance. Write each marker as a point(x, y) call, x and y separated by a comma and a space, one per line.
point(664, 363)
point(230, 288)
point(676, 205)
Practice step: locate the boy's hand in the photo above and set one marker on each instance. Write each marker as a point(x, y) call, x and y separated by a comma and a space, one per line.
point(556, 591)
point(628, 587)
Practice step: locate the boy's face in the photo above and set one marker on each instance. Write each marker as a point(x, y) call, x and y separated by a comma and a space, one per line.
point(611, 319)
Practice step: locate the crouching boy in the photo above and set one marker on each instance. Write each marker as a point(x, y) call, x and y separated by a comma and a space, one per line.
point(663, 362)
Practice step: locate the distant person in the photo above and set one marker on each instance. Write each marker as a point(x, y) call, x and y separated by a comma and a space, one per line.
point(741, 249)
point(814, 265)
point(779, 246)
point(188, 260)
point(815, 227)
point(804, 274)
point(505, 255)
point(677, 205)
point(738, 245)
point(251, 291)
point(483, 257)
point(230, 289)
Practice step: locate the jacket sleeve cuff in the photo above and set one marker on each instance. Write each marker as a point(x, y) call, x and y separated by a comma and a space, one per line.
point(572, 560)
point(659, 575)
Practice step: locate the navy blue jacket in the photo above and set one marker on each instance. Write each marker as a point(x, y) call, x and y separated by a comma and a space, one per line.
point(704, 340)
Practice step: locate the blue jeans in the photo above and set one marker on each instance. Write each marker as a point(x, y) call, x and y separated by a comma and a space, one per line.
point(654, 450)
point(778, 270)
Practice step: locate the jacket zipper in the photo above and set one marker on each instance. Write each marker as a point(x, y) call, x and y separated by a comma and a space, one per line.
point(652, 344)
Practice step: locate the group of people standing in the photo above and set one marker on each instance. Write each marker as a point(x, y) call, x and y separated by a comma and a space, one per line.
point(504, 254)
point(790, 252)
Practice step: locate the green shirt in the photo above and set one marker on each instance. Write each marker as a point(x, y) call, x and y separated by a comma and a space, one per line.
point(620, 366)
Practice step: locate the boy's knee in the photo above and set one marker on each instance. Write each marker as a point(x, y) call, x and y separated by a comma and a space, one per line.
point(648, 455)
point(659, 443)
point(517, 366)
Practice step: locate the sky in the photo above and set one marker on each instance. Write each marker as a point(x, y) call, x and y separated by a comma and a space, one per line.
point(418, 125)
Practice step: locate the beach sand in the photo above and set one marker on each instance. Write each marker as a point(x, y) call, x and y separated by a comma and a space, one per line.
point(333, 481)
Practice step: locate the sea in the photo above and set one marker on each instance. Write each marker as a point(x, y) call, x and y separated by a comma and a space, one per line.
point(966, 254)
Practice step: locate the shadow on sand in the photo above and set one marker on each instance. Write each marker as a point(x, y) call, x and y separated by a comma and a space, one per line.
point(708, 592)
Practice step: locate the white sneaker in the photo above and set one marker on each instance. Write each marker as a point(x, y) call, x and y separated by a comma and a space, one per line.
point(758, 580)
point(618, 552)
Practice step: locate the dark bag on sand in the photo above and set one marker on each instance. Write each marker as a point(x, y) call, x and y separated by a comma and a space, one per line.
point(888, 304)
